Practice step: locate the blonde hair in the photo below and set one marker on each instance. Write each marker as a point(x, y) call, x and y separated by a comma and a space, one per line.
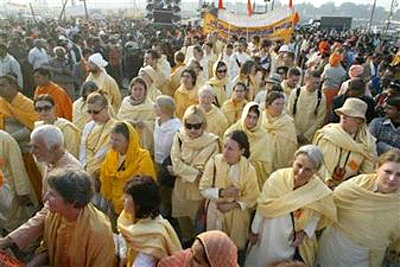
point(195, 110)
point(98, 97)
point(389, 156)
point(166, 103)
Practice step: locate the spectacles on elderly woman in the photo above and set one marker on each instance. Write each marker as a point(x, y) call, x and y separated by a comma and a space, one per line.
point(195, 126)
point(95, 112)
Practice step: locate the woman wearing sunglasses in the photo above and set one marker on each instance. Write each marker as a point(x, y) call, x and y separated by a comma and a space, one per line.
point(95, 139)
point(191, 149)
point(260, 140)
point(138, 109)
point(46, 109)
point(80, 115)
point(220, 83)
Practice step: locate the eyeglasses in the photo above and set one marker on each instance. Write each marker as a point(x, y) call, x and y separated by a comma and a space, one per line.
point(222, 71)
point(44, 108)
point(195, 126)
point(95, 112)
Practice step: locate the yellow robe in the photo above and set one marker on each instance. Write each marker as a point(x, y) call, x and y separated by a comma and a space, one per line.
point(305, 120)
point(154, 237)
point(21, 109)
point(86, 242)
point(106, 83)
point(278, 198)
point(233, 109)
point(142, 112)
point(219, 87)
point(72, 135)
point(79, 113)
point(284, 139)
point(251, 84)
point(113, 178)
point(216, 122)
point(185, 98)
point(242, 175)
point(13, 169)
point(261, 149)
point(336, 145)
point(176, 78)
point(95, 143)
point(189, 156)
point(370, 219)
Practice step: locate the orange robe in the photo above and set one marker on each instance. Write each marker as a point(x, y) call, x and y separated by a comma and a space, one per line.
point(61, 98)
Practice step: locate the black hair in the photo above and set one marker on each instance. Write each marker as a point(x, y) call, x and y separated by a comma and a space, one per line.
point(241, 138)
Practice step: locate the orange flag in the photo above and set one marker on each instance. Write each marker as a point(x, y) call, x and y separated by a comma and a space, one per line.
point(249, 8)
point(220, 4)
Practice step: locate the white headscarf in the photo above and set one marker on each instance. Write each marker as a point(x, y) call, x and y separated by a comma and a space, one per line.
point(97, 59)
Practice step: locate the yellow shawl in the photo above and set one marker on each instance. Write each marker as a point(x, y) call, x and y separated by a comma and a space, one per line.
point(216, 122)
point(141, 112)
point(86, 242)
point(233, 109)
point(278, 198)
point(79, 113)
point(155, 237)
point(370, 219)
point(21, 108)
point(219, 86)
point(261, 151)
point(176, 78)
point(137, 161)
point(98, 140)
point(250, 83)
point(332, 139)
point(284, 139)
point(185, 98)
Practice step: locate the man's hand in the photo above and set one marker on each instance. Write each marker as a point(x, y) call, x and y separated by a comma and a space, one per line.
point(231, 191)
point(253, 238)
point(299, 238)
point(227, 206)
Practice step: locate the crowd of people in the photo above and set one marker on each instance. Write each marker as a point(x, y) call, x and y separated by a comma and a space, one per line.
point(123, 144)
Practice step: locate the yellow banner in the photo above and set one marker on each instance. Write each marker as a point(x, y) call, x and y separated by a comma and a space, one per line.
point(279, 30)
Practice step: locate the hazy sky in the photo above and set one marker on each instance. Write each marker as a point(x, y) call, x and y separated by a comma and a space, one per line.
point(383, 3)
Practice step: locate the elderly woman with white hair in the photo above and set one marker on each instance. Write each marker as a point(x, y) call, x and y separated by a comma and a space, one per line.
point(348, 147)
point(293, 204)
point(61, 68)
point(104, 81)
point(216, 120)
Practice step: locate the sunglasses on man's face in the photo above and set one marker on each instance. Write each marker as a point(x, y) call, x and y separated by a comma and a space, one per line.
point(44, 108)
point(195, 126)
point(222, 71)
point(94, 112)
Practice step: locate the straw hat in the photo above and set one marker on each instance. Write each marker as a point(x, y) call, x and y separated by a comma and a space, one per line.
point(353, 107)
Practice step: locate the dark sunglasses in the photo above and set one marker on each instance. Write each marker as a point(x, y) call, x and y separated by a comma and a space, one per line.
point(94, 112)
point(44, 108)
point(195, 126)
point(222, 71)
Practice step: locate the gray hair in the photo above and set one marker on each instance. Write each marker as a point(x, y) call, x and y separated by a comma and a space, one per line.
point(51, 135)
point(166, 103)
point(313, 153)
point(206, 90)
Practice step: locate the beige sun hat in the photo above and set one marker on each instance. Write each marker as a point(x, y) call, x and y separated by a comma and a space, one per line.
point(353, 107)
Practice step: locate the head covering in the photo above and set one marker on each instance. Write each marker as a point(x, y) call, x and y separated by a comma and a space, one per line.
point(284, 48)
point(335, 59)
point(219, 248)
point(353, 107)
point(274, 78)
point(152, 74)
point(323, 47)
point(97, 59)
point(356, 71)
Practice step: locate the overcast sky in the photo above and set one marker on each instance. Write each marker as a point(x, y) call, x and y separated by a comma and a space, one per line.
point(383, 3)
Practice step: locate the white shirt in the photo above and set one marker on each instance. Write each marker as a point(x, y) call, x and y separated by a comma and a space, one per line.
point(164, 137)
point(9, 65)
point(236, 62)
point(37, 57)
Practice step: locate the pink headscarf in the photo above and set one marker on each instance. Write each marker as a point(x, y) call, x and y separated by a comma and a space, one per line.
point(356, 71)
point(219, 248)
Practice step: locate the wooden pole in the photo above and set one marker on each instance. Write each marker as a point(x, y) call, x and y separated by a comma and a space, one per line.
point(63, 10)
point(86, 10)
point(33, 12)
